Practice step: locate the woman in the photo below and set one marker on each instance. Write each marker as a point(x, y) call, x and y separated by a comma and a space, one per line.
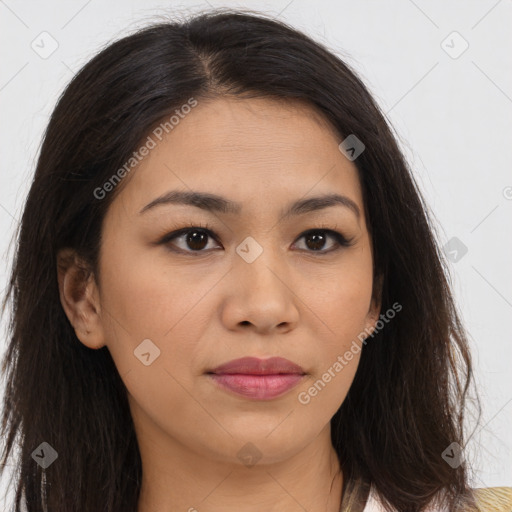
point(227, 293)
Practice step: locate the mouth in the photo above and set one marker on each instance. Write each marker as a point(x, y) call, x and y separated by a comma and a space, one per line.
point(258, 379)
point(256, 366)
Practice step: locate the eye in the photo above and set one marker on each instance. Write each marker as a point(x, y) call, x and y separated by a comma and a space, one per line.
point(316, 239)
point(195, 239)
point(192, 239)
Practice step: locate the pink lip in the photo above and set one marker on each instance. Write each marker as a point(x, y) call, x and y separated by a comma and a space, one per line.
point(255, 366)
point(260, 379)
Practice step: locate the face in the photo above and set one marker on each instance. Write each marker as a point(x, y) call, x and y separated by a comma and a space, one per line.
point(205, 284)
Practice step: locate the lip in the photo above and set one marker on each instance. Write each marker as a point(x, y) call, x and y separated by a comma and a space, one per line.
point(259, 379)
point(256, 366)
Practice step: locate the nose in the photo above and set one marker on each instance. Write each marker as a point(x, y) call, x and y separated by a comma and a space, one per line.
point(260, 295)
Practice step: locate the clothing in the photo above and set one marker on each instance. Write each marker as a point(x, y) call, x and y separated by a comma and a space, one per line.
point(494, 499)
point(374, 505)
point(362, 497)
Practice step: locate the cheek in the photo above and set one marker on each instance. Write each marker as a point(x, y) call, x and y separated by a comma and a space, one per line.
point(143, 298)
point(326, 390)
point(342, 300)
point(147, 300)
point(343, 310)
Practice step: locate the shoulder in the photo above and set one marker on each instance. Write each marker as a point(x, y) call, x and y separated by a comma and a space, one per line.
point(488, 499)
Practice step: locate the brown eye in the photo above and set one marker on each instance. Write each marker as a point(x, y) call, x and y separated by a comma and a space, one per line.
point(316, 239)
point(189, 240)
point(196, 240)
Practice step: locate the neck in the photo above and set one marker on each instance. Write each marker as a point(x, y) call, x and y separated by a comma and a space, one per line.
point(175, 478)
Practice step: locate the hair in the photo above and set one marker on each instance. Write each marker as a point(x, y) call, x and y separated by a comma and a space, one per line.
point(407, 402)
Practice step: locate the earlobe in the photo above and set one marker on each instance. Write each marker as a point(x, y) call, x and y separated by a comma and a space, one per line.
point(79, 298)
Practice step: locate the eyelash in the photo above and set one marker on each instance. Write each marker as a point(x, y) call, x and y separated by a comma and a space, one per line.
point(208, 230)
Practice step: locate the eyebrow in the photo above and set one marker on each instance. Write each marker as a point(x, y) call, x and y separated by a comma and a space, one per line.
point(219, 204)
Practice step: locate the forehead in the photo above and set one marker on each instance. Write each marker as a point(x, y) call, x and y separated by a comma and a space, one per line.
point(250, 150)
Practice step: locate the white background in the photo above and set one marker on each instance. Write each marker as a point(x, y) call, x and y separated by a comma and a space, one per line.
point(452, 115)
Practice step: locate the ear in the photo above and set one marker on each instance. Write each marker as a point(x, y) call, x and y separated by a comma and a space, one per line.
point(80, 298)
point(376, 303)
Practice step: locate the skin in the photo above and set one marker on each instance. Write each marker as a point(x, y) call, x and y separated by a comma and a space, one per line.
point(207, 309)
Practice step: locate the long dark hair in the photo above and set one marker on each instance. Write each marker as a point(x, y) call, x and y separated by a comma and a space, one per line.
point(408, 399)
